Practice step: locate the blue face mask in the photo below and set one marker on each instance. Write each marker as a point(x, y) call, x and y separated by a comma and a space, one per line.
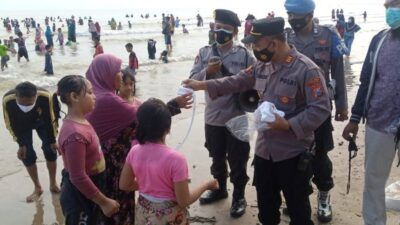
point(393, 17)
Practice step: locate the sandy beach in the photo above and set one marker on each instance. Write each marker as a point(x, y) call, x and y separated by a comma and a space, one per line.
point(346, 208)
point(159, 80)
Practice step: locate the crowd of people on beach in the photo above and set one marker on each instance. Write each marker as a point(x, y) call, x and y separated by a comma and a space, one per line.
point(118, 168)
point(169, 23)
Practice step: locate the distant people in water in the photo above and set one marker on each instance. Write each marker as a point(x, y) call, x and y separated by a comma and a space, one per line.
point(60, 37)
point(98, 47)
point(164, 56)
point(199, 20)
point(184, 29)
point(151, 48)
point(133, 61)
point(350, 28)
point(22, 52)
point(48, 65)
point(211, 37)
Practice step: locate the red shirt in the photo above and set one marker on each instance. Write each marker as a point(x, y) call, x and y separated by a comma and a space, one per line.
point(82, 155)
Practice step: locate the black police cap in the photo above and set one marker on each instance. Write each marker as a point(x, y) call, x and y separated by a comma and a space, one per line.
point(265, 27)
point(227, 17)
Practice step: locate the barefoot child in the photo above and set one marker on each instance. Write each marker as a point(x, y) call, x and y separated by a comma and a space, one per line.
point(83, 175)
point(158, 172)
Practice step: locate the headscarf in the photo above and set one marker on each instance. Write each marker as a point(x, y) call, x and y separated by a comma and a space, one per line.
point(111, 114)
point(48, 31)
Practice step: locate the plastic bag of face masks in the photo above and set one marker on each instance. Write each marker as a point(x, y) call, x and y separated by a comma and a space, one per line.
point(392, 196)
point(243, 127)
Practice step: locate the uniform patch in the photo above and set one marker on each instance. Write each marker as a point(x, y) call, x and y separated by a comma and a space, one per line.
point(284, 99)
point(316, 86)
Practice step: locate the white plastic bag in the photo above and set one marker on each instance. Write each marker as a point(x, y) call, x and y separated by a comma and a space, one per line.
point(393, 196)
point(243, 127)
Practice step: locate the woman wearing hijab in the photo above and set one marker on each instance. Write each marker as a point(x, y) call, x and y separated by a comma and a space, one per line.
point(114, 120)
point(49, 35)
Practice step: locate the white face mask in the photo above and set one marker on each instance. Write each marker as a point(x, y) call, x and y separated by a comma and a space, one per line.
point(27, 108)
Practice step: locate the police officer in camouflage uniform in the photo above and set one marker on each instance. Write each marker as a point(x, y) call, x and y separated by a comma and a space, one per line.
point(224, 58)
point(296, 86)
point(324, 46)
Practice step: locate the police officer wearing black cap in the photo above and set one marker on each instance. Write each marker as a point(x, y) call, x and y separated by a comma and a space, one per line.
point(296, 86)
point(224, 58)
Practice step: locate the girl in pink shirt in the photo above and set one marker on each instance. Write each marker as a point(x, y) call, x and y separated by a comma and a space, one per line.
point(83, 174)
point(159, 173)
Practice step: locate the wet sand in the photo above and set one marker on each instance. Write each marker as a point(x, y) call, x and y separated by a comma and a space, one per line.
point(162, 82)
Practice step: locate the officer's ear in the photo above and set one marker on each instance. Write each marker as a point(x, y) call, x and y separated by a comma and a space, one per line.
point(235, 31)
point(309, 17)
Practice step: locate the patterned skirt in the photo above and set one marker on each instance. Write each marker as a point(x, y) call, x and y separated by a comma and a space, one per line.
point(163, 213)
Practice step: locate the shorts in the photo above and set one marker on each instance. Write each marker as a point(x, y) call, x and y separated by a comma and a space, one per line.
point(323, 136)
point(4, 60)
point(22, 52)
point(30, 157)
point(167, 39)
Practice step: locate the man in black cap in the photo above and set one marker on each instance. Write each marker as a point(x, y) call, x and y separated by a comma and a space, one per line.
point(296, 86)
point(224, 58)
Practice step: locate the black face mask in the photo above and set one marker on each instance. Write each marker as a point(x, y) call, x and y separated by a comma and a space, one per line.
point(264, 55)
point(298, 24)
point(223, 36)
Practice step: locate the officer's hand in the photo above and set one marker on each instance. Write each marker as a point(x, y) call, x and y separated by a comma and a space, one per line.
point(54, 147)
point(185, 101)
point(212, 69)
point(279, 124)
point(350, 131)
point(341, 115)
point(194, 84)
point(21, 154)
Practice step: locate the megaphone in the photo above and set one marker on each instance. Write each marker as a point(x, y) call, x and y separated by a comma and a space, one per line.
point(248, 100)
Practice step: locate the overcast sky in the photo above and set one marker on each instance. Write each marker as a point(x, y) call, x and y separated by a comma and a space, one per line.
point(115, 4)
point(54, 5)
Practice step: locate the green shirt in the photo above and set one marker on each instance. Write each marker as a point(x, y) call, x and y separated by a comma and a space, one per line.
point(3, 50)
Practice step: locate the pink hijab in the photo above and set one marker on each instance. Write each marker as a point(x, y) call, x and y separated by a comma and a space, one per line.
point(111, 113)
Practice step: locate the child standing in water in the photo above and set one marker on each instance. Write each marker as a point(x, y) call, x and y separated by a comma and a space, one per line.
point(60, 37)
point(48, 65)
point(158, 172)
point(22, 52)
point(83, 175)
point(97, 46)
point(133, 61)
point(3, 55)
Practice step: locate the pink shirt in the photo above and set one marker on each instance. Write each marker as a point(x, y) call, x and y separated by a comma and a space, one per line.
point(157, 167)
point(82, 155)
